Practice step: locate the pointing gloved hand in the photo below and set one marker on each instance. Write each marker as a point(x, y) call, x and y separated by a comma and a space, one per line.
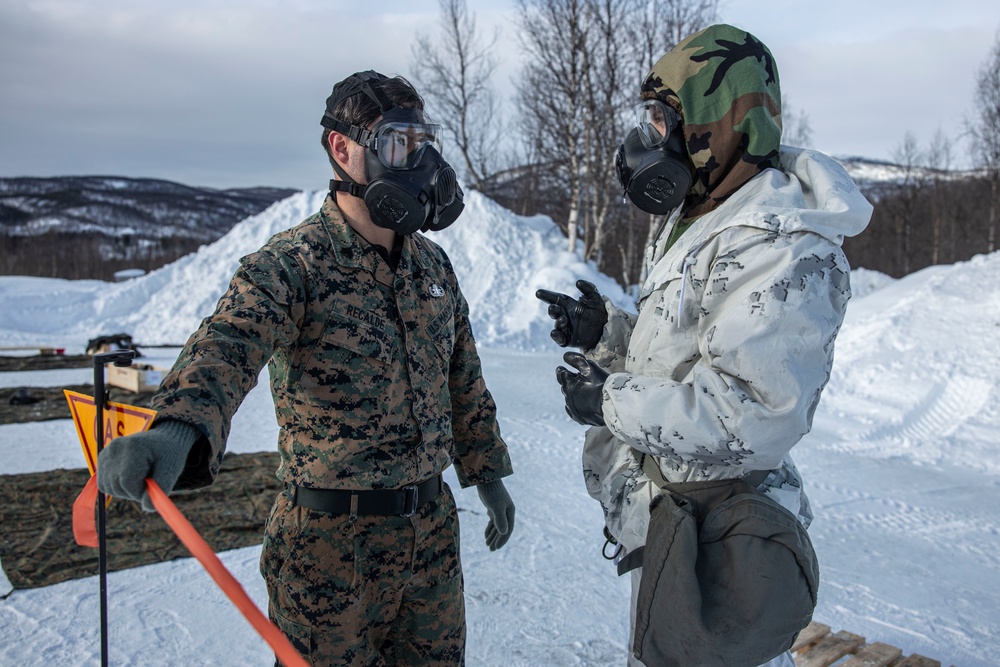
point(584, 391)
point(160, 453)
point(579, 323)
point(501, 510)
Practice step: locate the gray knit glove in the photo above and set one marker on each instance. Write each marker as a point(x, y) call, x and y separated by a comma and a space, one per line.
point(160, 453)
point(501, 510)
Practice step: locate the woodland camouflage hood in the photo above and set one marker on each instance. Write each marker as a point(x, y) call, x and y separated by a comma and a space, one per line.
point(724, 83)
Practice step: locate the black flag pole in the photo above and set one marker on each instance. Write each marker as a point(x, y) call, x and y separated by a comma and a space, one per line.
point(118, 358)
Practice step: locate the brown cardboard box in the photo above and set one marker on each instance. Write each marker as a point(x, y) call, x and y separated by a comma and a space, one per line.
point(136, 378)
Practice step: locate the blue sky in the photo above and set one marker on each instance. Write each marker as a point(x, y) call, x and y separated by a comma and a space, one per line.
point(228, 93)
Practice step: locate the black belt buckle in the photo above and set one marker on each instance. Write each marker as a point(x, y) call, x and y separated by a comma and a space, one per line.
point(409, 501)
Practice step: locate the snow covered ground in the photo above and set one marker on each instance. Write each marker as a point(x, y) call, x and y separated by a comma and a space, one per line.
point(901, 467)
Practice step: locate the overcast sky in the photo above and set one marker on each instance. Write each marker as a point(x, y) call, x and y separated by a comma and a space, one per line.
point(228, 93)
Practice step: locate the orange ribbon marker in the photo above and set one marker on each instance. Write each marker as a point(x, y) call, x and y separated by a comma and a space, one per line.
point(84, 526)
point(199, 548)
point(123, 420)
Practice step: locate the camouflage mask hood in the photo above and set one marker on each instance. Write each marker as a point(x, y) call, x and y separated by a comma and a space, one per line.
point(724, 83)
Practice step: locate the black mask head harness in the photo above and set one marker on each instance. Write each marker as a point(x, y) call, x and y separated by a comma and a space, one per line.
point(655, 174)
point(408, 189)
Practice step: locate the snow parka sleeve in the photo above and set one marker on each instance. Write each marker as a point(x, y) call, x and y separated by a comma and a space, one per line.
point(611, 349)
point(731, 351)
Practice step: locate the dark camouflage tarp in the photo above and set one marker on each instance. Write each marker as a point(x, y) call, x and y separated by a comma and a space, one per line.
point(44, 362)
point(36, 525)
point(19, 405)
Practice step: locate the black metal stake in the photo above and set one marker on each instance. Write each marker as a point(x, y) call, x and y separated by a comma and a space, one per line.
point(118, 358)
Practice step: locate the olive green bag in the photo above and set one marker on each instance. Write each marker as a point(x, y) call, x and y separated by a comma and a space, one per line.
point(729, 576)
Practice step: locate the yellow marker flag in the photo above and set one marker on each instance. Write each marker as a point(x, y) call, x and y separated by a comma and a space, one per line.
point(119, 420)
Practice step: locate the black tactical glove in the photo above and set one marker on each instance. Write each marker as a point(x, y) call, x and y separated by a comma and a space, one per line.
point(584, 391)
point(160, 453)
point(578, 323)
point(501, 510)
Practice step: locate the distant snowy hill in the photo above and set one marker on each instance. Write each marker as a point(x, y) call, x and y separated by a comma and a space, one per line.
point(500, 258)
point(116, 206)
point(152, 208)
point(98, 225)
point(875, 176)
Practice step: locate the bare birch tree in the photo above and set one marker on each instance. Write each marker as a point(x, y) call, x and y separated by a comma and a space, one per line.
point(455, 74)
point(938, 159)
point(584, 61)
point(795, 128)
point(984, 134)
point(909, 156)
point(609, 86)
point(553, 35)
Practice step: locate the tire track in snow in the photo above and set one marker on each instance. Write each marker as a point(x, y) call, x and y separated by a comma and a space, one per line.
point(946, 406)
point(914, 517)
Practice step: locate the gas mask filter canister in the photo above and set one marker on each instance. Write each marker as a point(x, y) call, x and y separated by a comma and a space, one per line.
point(653, 169)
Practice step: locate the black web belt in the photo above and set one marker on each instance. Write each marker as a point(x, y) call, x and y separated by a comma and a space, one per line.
point(378, 502)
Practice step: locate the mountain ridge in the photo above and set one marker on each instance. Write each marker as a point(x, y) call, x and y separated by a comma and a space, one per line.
point(114, 206)
point(152, 208)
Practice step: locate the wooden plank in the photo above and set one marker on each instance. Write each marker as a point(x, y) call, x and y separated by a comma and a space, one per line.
point(810, 635)
point(830, 649)
point(917, 660)
point(874, 655)
point(816, 647)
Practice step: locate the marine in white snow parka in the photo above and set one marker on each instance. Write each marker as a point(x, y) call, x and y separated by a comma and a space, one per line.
point(721, 371)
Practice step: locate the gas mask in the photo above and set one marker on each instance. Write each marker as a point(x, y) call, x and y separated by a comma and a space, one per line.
point(652, 164)
point(410, 186)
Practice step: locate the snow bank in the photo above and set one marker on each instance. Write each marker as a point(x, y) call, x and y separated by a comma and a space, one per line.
point(500, 258)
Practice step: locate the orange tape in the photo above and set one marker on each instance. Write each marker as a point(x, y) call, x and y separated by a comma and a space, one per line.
point(84, 524)
point(283, 649)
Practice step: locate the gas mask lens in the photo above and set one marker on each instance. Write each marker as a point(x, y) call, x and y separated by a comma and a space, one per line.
point(654, 120)
point(400, 145)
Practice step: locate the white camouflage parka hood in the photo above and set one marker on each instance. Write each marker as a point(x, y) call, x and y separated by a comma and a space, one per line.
point(721, 371)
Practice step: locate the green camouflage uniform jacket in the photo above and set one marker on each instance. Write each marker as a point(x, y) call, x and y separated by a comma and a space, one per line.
point(375, 375)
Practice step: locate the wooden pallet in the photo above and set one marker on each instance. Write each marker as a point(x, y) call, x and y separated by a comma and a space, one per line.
point(816, 646)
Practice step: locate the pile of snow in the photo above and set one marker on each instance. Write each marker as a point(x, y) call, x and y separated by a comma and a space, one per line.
point(500, 259)
point(866, 281)
point(920, 352)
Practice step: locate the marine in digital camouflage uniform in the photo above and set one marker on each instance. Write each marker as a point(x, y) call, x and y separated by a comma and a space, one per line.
point(720, 373)
point(377, 389)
